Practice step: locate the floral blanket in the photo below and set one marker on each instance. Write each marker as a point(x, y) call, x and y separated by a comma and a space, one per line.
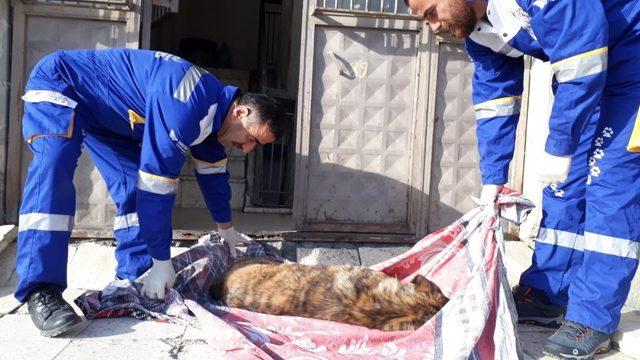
point(464, 259)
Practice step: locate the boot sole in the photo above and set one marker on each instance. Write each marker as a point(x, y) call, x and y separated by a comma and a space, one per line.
point(61, 330)
point(604, 348)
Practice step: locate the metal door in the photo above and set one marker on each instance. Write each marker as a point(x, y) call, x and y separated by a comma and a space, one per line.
point(360, 144)
point(39, 29)
point(386, 129)
point(455, 175)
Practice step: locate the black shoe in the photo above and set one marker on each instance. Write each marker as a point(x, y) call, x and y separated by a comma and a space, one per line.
point(534, 307)
point(50, 313)
point(576, 341)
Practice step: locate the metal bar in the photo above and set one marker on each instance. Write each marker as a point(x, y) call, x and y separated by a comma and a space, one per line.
point(273, 148)
point(269, 36)
point(274, 39)
point(366, 5)
point(100, 4)
point(395, 9)
point(281, 170)
point(372, 13)
point(351, 5)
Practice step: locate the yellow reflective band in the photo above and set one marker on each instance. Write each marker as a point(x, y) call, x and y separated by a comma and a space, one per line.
point(134, 118)
point(206, 168)
point(587, 63)
point(634, 141)
point(505, 106)
point(157, 184)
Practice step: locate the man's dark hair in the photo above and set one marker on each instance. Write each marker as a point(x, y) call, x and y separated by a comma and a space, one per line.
point(267, 109)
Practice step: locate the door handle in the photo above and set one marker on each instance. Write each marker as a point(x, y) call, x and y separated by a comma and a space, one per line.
point(342, 64)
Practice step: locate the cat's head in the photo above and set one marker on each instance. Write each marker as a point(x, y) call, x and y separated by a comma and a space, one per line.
point(419, 302)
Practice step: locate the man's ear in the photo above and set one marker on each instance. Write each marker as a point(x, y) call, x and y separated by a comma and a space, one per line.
point(241, 111)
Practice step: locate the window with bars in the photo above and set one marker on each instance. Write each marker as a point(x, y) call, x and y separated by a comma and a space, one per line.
point(397, 7)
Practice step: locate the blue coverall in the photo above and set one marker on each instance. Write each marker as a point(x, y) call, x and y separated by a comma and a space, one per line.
point(139, 114)
point(587, 251)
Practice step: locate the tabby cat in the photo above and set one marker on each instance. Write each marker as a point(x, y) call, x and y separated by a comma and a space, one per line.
point(343, 293)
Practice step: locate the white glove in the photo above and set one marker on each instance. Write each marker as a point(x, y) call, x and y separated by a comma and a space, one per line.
point(160, 278)
point(553, 169)
point(231, 238)
point(489, 193)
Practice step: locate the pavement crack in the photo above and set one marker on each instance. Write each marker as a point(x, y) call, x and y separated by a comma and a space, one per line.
point(177, 344)
point(176, 347)
point(61, 350)
point(175, 350)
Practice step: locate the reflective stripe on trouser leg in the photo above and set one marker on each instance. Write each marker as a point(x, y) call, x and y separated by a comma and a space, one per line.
point(46, 214)
point(118, 160)
point(558, 247)
point(612, 225)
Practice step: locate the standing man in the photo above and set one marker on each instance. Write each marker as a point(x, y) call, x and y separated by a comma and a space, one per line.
point(587, 250)
point(139, 114)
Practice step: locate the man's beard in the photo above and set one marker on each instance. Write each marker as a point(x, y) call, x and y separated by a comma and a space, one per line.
point(463, 19)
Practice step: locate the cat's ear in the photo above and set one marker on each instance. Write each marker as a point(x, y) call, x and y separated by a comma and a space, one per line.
point(423, 284)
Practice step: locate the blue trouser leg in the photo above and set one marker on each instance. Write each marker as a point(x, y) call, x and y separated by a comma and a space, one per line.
point(118, 158)
point(612, 225)
point(46, 213)
point(558, 247)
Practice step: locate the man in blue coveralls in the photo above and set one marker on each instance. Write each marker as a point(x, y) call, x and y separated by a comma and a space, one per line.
point(587, 250)
point(139, 114)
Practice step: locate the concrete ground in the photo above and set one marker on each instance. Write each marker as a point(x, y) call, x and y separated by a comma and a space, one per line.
point(91, 266)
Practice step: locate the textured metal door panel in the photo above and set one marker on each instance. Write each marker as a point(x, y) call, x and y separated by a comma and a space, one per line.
point(94, 208)
point(38, 31)
point(361, 128)
point(454, 173)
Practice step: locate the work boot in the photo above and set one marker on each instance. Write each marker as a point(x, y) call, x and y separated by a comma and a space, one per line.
point(576, 341)
point(50, 313)
point(534, 307)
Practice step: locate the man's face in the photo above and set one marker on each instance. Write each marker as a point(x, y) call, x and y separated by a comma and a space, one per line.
point(244, 131)
point(454, 16)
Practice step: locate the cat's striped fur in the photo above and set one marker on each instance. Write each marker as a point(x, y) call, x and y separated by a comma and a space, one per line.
point(343, 293)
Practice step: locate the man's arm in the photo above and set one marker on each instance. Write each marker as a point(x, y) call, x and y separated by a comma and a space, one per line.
point(162, 156)
point(210, 168)
point(169, 128)
point(210, 162)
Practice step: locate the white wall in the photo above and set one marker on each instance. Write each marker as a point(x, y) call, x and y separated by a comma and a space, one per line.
point(540, 102)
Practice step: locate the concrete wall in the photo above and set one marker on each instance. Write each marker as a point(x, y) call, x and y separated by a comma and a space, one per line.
point(5, 57)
